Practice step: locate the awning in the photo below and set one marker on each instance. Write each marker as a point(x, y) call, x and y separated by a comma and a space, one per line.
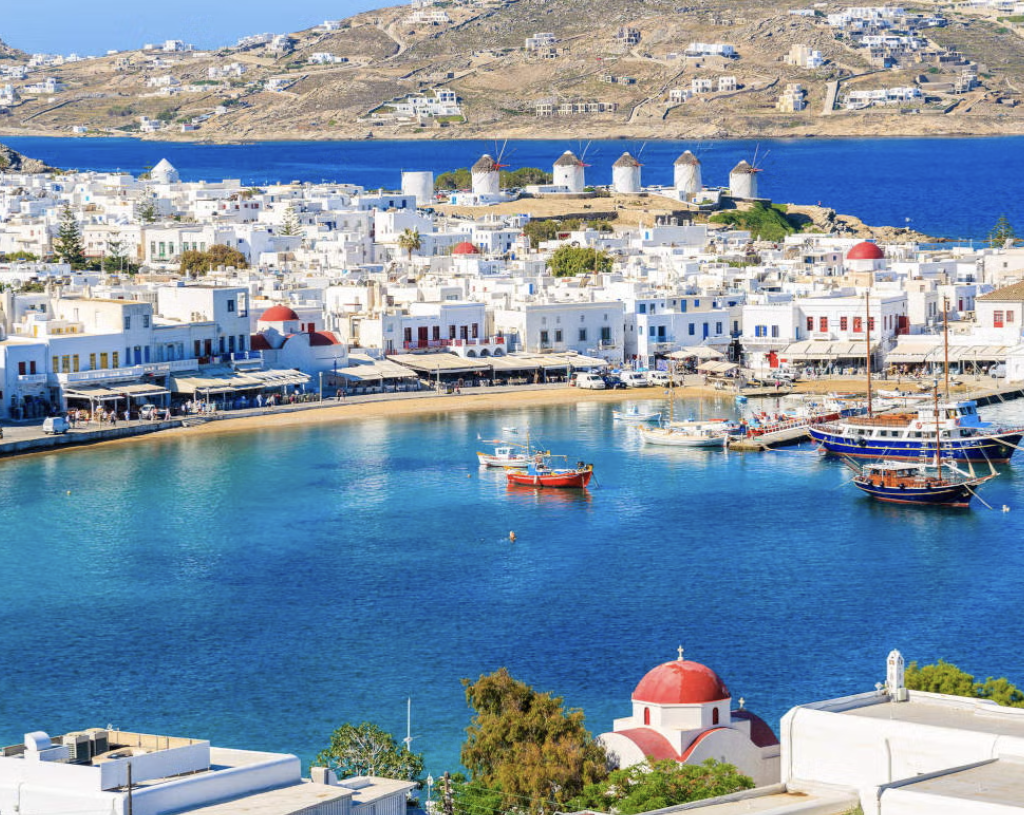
point(981, 353)
point(699, 351)
point(912, 351)
point(220, 380)
point(375, 371)
point(97, 393)
point(825, 350)
point(278, 378)
point(444, 363)
point(716, 367)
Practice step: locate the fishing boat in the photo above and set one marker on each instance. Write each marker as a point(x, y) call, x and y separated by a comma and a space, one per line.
point(505, 455)
point(636, 415)
point(541, 472)
point(697, 433)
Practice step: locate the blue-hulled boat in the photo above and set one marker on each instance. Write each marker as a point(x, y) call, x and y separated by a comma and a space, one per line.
point(898, 482)
point(907, 436)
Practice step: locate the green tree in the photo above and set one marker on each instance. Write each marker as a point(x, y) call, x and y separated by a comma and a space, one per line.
point(524, 176)
point(366, 749)
point(945, 677)
point(569, 261)
point(1001, 233)
point(764, 222)
point(459, 179)
point(199, 263)
point(524, 746)
point(147, 212)
point(644, 786)
point(409, 241)
point(21, 255)
point(68, 244)
point(291, 226)
point(539, 231)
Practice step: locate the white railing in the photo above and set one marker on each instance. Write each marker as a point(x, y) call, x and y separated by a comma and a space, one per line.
point(32, 379)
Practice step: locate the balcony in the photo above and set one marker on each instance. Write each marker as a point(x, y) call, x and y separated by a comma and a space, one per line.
point(125, 374)
point(32, 379)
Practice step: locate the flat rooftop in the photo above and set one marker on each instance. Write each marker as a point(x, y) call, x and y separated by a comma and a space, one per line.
point(276, 802)
point(970, 715)
point(810, 803)
point(999, 783)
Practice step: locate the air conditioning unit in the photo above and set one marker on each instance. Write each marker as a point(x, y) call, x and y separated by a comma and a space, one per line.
point(100, 740)
point(79, 747)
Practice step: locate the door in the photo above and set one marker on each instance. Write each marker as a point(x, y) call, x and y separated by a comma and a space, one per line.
point(422, 336)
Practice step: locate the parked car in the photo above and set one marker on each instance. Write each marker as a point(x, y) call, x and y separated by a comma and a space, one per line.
point(635, 379)
point(612, 382)
point(660, 378)
point(56, 425)
point(590, 382)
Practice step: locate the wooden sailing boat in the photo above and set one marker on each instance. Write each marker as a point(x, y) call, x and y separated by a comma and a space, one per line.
point(699, 433)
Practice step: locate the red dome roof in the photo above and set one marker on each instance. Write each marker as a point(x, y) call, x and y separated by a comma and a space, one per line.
point(278, 314)
point(865, 251)
point(465, 248)
point(680, 682)
point(323, 338)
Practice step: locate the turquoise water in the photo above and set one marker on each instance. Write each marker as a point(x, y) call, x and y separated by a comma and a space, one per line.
point(260, 589)
point(955, 188)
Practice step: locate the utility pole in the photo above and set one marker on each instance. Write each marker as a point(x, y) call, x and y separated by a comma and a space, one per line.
point(449, 804)
point(129, 812)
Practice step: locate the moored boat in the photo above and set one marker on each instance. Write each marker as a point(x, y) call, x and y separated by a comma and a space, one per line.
point(541, 473)
point(688, 434)
point(637, 416)
point(505, 456)
point(898, 482)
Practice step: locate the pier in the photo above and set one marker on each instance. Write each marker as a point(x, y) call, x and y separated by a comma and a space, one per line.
point(766, 441)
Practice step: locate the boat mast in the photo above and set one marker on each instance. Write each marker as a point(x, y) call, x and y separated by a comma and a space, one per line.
point(867, 352)
point(938, 434)
point(945, 340)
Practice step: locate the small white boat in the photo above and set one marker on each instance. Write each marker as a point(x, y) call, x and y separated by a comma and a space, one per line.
point(506, 456)
point(688, 434)
point(638, 416)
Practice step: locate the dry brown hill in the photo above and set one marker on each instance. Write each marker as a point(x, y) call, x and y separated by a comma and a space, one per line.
point(593, 81)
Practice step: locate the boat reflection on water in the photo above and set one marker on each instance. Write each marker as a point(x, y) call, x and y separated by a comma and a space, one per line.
point(546, 497)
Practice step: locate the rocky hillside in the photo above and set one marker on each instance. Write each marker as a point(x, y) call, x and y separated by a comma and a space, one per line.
point(11, 161)
point(6, 52)
point(553, 68)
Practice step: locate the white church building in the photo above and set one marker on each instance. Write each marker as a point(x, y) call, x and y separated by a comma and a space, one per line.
point(683, 711)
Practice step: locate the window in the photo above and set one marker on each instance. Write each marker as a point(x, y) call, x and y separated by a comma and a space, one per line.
point(775, 331)
point(544, 338)
point(760, 331)
point(75, 365)
point(117, 360)
point(871, 324)
point(642, 308)
point(32, 367)
point(198, 350)
point(1009, 317)
point(606, 334)
point(21, 369)
point(163, 248)
point(152, 247)
point(997, 319)
point(56, 364)
point(127, 322)
point(241, 342)
point(145, 321)
point(475, 333)
point(692, 329)
point(463, 332)
point(451, 332)
point(810, 323)
point(558, 335)
point(407, 334)
point(231, 306)
point(844, 323)
point(650, 331)
point(103, 361)
point(647, 716)
point(714, 716)
point(823, 323)
point(435, 332)
point(718, 328)
point(583, 335)
point(661, 332)
point(858, 325)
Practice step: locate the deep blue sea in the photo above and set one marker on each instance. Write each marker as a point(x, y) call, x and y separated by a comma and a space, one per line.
point(259, 589)
point(954, 188)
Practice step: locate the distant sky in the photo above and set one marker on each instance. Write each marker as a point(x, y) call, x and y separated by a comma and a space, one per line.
point(93, 27)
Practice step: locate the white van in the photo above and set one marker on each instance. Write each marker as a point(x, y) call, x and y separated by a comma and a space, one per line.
point(659, 378)
point(634, 379)
point(55, 425)
point(591, 382)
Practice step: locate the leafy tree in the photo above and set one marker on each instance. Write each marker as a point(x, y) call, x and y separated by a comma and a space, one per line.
point(524, 176)
point(147, 212)
point(21, 255)
point(199, 263)
point(409, 241)
point(524, 746)
point(540, 231)
point(1001, 233)
point(569, 261)
point(291, 226)
point(946, 677)
point(455, 180)
point(68, 243)
point(366, 749)
point(644, 786)
point(117, 260)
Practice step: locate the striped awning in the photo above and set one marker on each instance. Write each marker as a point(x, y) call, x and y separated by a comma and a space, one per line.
point(825, 350)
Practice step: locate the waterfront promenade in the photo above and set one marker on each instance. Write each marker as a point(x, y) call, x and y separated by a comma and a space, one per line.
point(27, 437)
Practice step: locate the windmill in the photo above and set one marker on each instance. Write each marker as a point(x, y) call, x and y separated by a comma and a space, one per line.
point(743, 177)
point(487, 173)
point(569, 171)
point(626, 173)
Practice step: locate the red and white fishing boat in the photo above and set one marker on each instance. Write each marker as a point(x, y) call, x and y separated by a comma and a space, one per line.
point(541, 473)
point(509, 456)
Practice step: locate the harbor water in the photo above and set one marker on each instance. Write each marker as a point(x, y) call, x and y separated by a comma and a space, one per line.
point(936, 186)
point(259, 589)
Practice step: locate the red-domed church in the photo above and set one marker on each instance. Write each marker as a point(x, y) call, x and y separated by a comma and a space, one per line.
point(683, 711)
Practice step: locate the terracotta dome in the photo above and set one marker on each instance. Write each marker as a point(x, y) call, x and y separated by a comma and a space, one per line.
point(465, 248)
point(680, 682)
point(323, 338)
point(278, 314)
point(865, 251)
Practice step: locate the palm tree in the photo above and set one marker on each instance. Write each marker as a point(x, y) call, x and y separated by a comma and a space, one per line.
point(410, 241)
